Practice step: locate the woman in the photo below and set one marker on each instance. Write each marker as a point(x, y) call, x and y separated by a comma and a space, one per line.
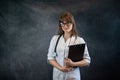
point(63, 66)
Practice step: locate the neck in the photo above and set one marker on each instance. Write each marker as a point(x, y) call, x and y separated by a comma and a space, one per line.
point(67, 35)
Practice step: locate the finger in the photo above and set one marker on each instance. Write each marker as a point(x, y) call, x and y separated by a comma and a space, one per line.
point(70, 69)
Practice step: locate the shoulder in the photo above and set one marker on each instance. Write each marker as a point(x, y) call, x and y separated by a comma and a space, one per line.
point(55, 37)
point(80, 39)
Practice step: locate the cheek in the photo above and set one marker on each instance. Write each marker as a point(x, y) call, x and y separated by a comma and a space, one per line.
point(62, 28)
point(70, 28)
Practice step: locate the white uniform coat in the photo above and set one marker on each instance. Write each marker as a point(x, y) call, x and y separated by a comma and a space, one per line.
point(61, 53)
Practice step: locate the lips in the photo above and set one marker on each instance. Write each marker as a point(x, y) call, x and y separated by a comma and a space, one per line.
point(65, 28)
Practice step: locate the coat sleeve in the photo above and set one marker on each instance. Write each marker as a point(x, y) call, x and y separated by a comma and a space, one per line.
point(86, 55)
point(51, 54)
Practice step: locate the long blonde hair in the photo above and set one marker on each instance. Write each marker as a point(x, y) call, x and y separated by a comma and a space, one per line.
point(67, 16)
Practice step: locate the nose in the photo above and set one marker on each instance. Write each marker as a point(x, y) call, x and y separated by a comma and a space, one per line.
point(65, 26)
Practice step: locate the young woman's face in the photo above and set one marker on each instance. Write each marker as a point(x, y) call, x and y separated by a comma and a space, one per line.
point(66, 26)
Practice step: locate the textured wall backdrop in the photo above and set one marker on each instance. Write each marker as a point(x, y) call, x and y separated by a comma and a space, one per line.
point(26, 27)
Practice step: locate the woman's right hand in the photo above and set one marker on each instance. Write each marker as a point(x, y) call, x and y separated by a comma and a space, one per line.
point(65, 69)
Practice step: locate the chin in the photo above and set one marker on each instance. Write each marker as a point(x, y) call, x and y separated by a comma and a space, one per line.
point(67, 31)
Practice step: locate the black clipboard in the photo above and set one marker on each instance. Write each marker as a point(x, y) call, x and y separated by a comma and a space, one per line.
point(76, 52)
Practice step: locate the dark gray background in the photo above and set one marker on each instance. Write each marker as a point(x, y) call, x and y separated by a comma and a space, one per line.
point(26, 27)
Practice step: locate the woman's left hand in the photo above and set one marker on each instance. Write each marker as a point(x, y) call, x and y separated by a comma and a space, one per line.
point(68, 62)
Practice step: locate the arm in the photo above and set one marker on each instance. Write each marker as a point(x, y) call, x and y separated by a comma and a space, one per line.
point(55, 64)
point(51, 56)
point(81, 63)
point(59, 67)
point(86, 59)
point(85, 62)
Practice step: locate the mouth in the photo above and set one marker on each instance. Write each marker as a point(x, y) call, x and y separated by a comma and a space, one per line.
point(66, 29)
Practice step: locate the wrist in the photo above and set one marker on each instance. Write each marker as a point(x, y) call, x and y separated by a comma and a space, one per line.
point(60, 68)
point(73, 64)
